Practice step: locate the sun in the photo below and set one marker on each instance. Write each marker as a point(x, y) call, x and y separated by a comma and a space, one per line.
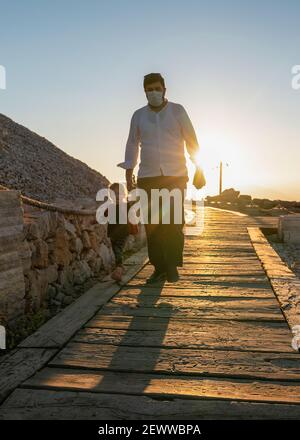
point(214, 149)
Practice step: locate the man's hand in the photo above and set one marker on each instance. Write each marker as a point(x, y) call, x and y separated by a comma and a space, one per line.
point(129, 174)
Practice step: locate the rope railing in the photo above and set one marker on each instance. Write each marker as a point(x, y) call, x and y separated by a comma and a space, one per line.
point(48, 206)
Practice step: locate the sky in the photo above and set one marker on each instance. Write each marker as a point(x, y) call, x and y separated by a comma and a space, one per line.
point(74, 72)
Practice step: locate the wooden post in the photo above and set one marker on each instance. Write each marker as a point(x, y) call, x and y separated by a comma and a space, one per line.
point(221, 178)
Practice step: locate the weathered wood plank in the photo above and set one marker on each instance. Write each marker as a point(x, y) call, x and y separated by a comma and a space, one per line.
point(208, 281)
point(20, 366)
point(226, 260)
point(197, 302)
point(165, 386)
point(123, 322)
point(189, 270)
point(284, 282)
point(217, 335)
point(207, 309)
point(199, 291)
point(180, 361)
point(62, 405)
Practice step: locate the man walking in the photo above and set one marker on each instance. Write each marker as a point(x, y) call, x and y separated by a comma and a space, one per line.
point(160, 130)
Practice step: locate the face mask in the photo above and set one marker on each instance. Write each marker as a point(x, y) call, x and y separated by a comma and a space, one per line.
point(155, 98)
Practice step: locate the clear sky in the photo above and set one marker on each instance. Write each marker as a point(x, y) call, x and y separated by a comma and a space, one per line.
point(75, 69)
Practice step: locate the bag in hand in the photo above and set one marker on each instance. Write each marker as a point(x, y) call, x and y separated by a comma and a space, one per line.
point(199, 180)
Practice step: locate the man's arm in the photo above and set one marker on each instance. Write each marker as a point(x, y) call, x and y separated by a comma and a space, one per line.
point(129, 174)
point(189, 135)
point(131, 151)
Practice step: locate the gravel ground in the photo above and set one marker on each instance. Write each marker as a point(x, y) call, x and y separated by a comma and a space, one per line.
point(289, 253)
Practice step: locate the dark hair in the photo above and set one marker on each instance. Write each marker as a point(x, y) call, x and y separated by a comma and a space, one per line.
point(114, 186)
point(153, 77)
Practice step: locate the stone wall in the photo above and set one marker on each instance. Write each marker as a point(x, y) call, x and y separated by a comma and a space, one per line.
point(289, 228)
point(54, 255)
point(12, 285)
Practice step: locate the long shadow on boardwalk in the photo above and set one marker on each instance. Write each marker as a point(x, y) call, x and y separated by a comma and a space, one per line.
point(132, 324)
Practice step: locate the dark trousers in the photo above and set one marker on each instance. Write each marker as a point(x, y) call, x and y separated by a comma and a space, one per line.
point(165, 241)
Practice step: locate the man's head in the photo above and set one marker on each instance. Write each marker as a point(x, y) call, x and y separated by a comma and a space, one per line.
point(154, 86)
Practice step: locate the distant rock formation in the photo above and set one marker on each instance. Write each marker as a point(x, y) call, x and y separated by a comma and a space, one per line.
point(228, 195)
point(231, 198)
point(40, 170)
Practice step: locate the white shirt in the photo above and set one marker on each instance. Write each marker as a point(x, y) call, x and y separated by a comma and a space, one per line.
point(160, 137)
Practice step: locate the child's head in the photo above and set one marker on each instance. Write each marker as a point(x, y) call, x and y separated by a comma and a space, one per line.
point(119, 190)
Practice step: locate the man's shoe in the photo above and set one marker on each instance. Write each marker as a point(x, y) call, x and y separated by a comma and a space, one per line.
point(156, 277)
point(172, 274)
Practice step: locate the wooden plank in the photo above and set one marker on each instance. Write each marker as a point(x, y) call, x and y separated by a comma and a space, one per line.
point(62, 327)
point(226, 260)
point(225, 271)
point(247, 268)
point(218, 335)
point(19, 366)
point(283, 280)
point(207, 309)
point(206, 270)
point(212, 283)
point(123, 322)
point(214, 241)
point(222, 252)
point(64, 405)
point(177, 289)
point(180, 361)
point(197, 302)
point(197, 282)
point(165, 386)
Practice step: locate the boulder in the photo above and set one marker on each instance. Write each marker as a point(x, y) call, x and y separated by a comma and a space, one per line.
point(26, 254)
point(244, 200)
point(96, 265)
point(86, 240)
point(70, 228)
point(76, 245)
point(67, 300)
point(229, 195)
point(52, 273)
point(38, 289)
point(66, 279)
point(40, 254)
point(81, 272)
point(51, 292)
point(95, 241)
point(61, 254)
point(89, 255)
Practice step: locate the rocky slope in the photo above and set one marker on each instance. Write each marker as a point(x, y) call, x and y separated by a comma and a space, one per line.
point(36, 167)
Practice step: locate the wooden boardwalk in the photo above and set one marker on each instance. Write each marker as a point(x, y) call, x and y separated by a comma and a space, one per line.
point(214, 345)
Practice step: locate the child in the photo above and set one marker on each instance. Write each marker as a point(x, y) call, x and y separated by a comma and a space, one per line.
point(118, 233)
